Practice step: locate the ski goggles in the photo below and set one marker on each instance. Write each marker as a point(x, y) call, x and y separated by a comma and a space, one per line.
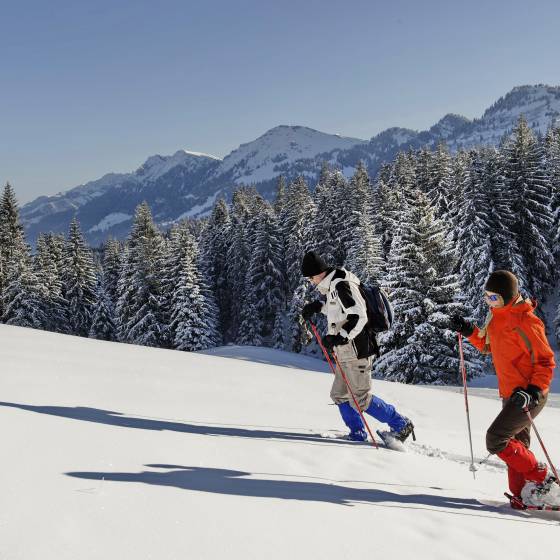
point(492, 298)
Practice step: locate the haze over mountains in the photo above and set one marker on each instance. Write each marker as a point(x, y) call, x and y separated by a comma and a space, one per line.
point(186, 184)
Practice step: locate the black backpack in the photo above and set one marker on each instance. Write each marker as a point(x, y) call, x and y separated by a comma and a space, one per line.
point(379, 309)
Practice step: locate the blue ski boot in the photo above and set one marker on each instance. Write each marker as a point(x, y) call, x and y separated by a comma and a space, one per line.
point(401, 427)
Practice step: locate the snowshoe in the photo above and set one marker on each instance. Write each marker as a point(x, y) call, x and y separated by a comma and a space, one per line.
point(403, 434)
point(542, 495)
point(517, 503)
point(390, 441)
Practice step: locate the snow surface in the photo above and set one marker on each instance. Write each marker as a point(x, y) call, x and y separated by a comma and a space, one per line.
point(120, 451)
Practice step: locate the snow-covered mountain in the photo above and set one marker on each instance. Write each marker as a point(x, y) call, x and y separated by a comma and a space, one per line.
point(120, 451)
point(188, 183)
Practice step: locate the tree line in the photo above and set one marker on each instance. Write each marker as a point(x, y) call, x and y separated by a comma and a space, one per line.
point(429, 228)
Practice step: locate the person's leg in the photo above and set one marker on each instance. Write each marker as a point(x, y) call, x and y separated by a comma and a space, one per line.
point(501, 440)
point(358, 373)
point(340, 396)
point(516, 480)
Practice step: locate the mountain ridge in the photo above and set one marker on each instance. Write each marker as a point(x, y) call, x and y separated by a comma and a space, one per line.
point(187, 183)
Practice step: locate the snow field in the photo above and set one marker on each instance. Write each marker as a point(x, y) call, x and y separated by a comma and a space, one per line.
point(120, 451)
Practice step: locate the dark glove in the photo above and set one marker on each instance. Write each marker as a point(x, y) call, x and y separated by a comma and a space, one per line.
point(332, 340)
point(309, 309)
point(461, 325)
point(526, 398)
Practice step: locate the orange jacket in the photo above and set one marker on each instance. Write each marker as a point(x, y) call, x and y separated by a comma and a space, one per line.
point(520, 350)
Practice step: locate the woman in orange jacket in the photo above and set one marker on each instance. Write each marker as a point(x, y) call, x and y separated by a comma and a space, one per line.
point(524, 364)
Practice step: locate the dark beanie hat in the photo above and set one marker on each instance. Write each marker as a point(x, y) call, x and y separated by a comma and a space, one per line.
point(503, 282)
point(313, 264)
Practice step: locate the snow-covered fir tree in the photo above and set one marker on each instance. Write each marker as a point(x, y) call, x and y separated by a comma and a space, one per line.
point(193, 325)
point(48, 265)
point(111, 269)
point(552, 169)
point(440, 184)
point(297, 229)
point(299, 335)
point(529, 186)
point(214, 248)
point(139, 312)
point(264, 280)
point(363, 245)
point(79, 281)
point(12, 237)
point(328, 228)
point(473, 236)
point(424, 293)
point(238, 256)
point(103, 323)
point(20, 291)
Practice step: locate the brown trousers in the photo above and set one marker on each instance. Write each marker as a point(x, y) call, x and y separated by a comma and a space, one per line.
point(512, 422)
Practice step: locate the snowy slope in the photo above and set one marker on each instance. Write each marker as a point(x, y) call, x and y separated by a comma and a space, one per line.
point(118, 451)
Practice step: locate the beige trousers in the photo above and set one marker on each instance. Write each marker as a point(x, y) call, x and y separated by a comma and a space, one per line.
point(358, 373)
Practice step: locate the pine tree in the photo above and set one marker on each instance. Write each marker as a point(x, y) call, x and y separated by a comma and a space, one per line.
point(362, 244)
point(12, 239)
point(299, 334)
point(125, 295)
point(214, 248)
point(440, 186)
point(111, 269)
point(552, 169)
point(48, 265)
point(103, 324)
point(238, 259)
point(280, 199)
point(79, 281)
point(473, 240)
point(192, 324)
point(139, 306)
point(296, 226)
point(423, 291)
point(264, 280)
point(328, 230)
point(530, 187)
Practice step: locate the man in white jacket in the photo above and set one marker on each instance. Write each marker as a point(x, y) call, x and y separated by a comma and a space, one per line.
point(354, 345)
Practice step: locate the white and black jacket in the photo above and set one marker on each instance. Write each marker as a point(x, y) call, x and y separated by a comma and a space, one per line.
point(346, 311)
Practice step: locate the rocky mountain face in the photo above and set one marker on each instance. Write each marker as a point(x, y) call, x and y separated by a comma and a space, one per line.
point(187, 184)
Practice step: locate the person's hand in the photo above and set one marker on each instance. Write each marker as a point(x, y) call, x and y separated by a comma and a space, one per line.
point(526, 398)
point(461, 325)
point(309, 309)
point(332, 340)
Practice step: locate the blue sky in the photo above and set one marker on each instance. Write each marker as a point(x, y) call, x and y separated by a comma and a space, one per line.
point(89, 88)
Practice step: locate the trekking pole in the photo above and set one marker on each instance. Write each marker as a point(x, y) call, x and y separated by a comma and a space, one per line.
point(326, 353)
point(472, 468)
point(526, 410)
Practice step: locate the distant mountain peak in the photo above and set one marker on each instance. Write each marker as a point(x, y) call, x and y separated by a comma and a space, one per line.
point(187, 183)
point(449, 125)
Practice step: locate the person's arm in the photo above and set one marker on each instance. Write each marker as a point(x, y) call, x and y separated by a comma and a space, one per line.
point(355, 308)
point(542, 357)
point(479, 342)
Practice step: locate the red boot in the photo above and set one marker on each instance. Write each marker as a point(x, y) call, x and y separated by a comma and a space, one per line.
point(520, 459)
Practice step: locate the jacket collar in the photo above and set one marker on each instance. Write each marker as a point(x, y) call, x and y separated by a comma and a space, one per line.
point(325, 283)
point(517, 305)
